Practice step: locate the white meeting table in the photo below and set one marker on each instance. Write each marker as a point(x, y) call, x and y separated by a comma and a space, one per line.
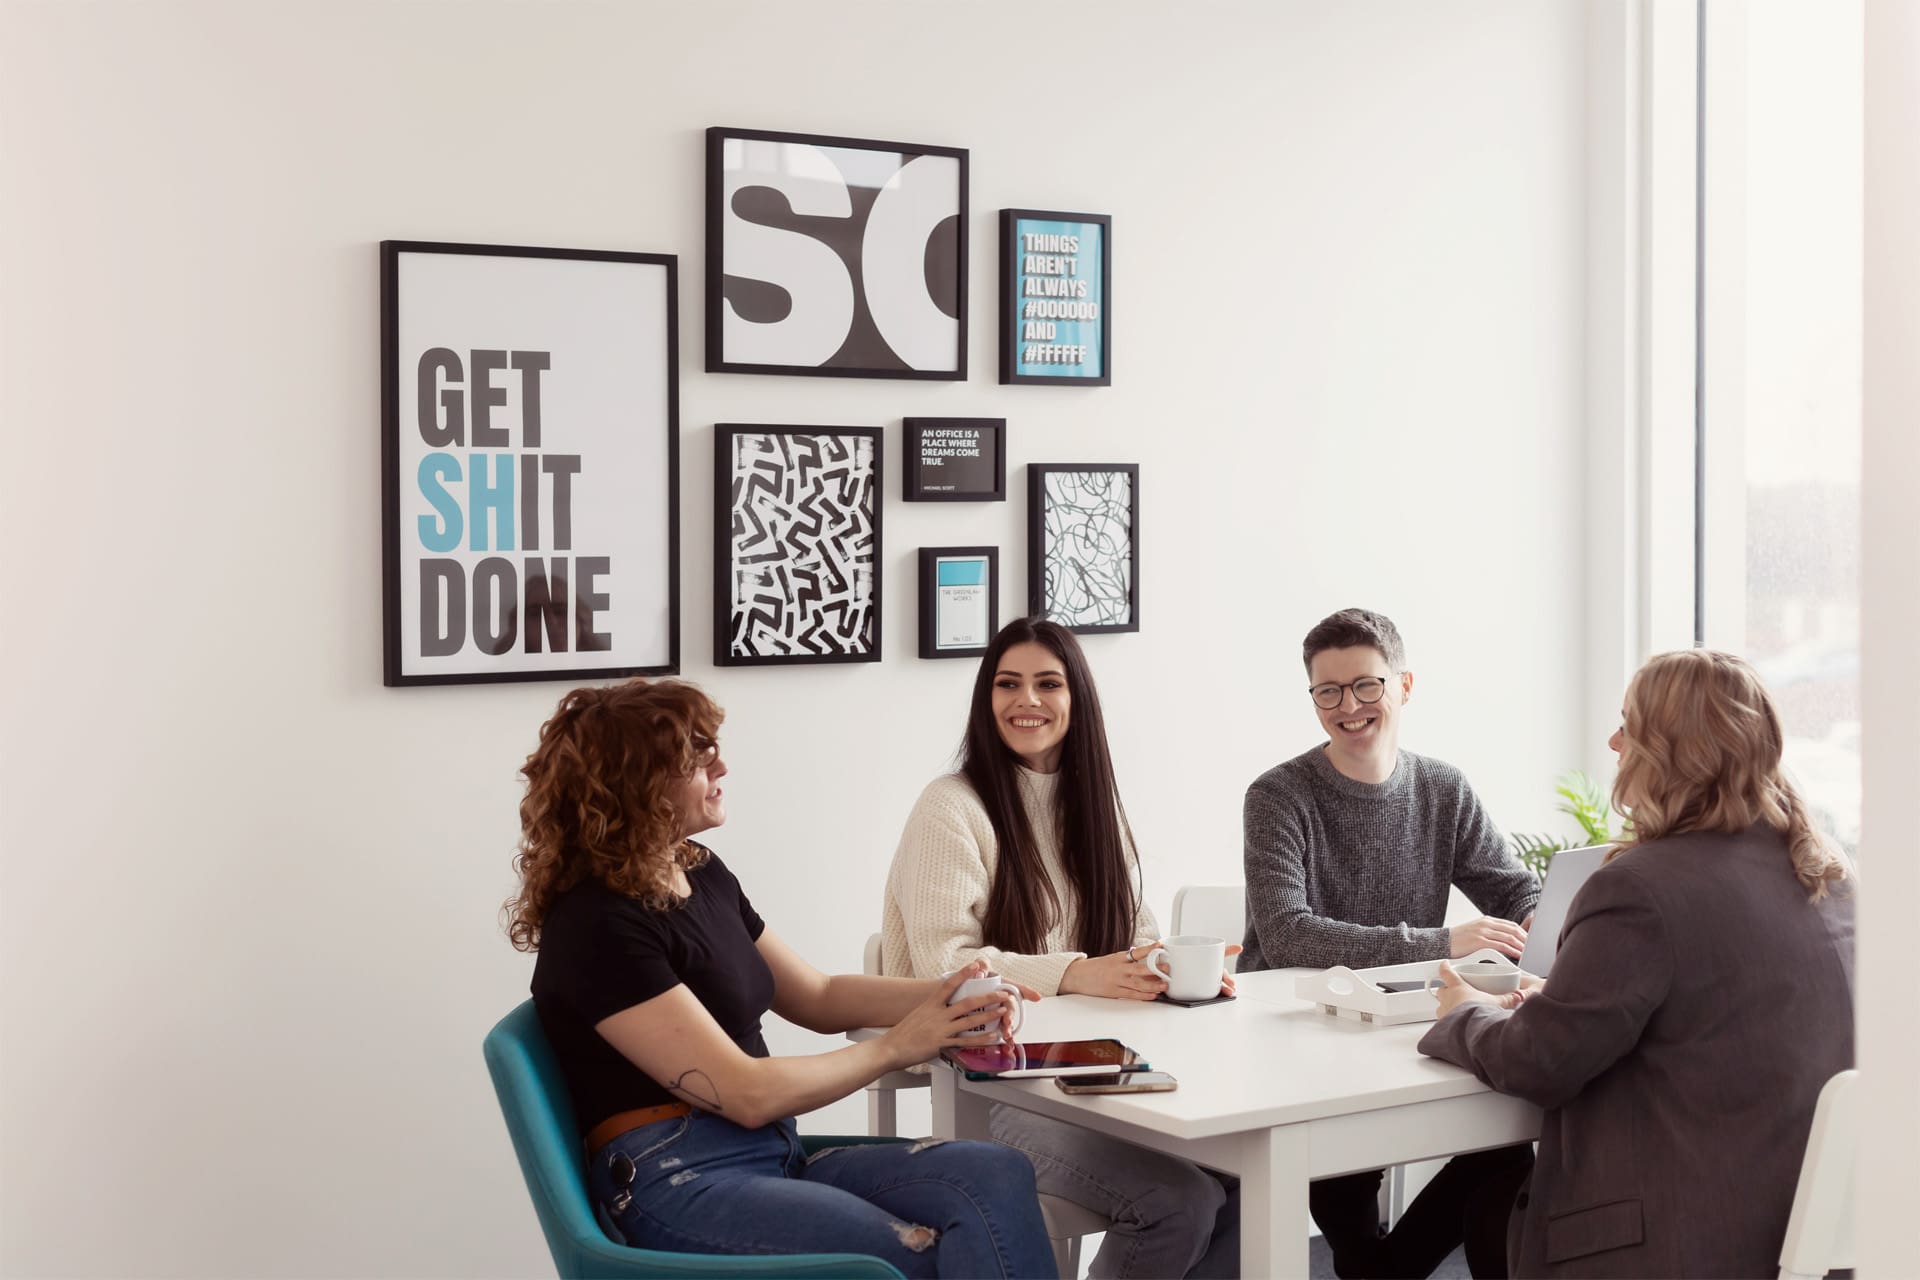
point(1271, 1089)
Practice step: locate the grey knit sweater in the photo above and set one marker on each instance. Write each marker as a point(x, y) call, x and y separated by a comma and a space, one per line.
point(1356, 873)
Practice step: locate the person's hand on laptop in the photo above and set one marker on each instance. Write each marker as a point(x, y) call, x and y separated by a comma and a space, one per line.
point(1455, 991)
point(1504, 936)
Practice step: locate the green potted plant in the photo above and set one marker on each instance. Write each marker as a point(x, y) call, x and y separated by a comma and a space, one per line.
point(1583, 801)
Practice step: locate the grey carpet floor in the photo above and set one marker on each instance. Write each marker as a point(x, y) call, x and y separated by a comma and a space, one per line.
point(1320, 1263)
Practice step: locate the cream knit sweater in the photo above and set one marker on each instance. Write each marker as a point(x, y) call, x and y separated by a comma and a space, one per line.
point(943, 870)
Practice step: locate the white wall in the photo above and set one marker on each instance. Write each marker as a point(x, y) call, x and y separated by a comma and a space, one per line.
point(250, 942)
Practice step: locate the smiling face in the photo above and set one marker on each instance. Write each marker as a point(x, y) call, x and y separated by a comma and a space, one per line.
point(699, 801)
point(1363, 738)
point(1031, 705)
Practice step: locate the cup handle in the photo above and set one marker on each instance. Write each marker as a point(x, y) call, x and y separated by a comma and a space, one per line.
point(1019, 1007)
point(1154, 957)
point(1433, 986)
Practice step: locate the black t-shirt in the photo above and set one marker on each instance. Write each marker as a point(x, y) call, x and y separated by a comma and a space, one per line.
point(601, 952)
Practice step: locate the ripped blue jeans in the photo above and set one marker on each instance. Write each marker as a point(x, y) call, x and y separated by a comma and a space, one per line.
point(702, 1184)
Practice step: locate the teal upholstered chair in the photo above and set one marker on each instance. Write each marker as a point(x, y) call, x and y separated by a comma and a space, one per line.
point(547, 1139)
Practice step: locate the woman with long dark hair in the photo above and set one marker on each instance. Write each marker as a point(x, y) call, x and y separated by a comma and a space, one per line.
point(653, 974)
point(1701, 996)
point(1023, 859)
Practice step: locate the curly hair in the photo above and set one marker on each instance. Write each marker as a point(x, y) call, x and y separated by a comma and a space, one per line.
point(1700, 751)
point(599, 803)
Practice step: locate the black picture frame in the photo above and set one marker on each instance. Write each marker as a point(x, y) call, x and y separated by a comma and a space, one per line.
point(587, 399)
point(1083, 545)
point(937, 464)
point(1065, 289)
point(938, 622)
point(791, 204)
point(797, 544)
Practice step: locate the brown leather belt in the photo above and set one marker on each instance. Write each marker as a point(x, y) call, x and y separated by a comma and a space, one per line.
point(615, 1125)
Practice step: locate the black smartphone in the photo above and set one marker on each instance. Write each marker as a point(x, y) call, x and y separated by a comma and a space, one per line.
point(1119, 1082)
point(1390, 987)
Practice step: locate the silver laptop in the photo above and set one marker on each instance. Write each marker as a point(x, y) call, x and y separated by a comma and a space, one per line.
point(1565, 874)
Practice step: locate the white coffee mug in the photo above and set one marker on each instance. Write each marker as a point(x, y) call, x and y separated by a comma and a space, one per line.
point(986, 985)
point(1191, 964)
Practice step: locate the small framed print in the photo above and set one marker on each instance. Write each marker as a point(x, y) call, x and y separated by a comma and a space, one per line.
point(959, 600)
point(1083, 545)
point(955, 460)
point(1056, 298)
point(796, 545)
point(835, 257)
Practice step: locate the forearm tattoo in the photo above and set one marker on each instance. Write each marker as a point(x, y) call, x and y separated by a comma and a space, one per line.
point(697, 1086)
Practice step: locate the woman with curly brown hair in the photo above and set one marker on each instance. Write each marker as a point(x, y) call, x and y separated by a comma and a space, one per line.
point(1701, 996)
point(653, 973)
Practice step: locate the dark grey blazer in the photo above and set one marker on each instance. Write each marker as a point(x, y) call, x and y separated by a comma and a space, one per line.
point(1698, 1003)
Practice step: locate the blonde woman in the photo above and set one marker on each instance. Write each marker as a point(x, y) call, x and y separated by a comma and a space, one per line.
point(1701, 996)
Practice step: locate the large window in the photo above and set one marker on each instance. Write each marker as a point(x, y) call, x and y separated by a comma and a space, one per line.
point(1780, 334)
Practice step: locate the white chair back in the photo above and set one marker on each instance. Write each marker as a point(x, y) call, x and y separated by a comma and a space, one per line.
point(1213, 910)
point(1820, 1229)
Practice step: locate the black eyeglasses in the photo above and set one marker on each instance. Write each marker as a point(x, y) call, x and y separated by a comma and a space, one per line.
point(1365, 689)
point(705, 752)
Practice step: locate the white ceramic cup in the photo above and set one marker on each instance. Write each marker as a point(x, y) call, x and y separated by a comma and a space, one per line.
point(1191, 964)
point(986, 985)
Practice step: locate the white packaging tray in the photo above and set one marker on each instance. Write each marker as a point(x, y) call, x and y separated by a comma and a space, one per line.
point(1353, 993)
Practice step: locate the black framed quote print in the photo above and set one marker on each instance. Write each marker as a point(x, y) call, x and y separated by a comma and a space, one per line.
point(796, 545)
point(954, 460)
point(1056, 298)
point(835, 256)
point(959, 600)
point(1083, 544)
point(529, 463)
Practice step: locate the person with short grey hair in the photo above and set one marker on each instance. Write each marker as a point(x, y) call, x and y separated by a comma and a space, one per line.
point(1351, 849)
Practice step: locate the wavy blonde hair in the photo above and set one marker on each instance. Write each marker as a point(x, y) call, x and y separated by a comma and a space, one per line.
point(1700, 751)
point(599, 803)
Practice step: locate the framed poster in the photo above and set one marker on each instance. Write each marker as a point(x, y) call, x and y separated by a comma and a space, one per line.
point(530, 428)
point(1056, 298)
point(955, 460)
point(959, 600)
point(796, 545)
point(1083, 545)
point(835, 256)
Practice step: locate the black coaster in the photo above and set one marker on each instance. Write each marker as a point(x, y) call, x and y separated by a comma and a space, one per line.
point(1164, 998)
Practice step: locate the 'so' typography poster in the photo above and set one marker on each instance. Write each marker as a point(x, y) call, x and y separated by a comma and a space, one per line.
point(530, 463)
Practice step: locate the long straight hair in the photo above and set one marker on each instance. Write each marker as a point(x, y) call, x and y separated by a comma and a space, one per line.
point(1700, 751)
point(1089, 821)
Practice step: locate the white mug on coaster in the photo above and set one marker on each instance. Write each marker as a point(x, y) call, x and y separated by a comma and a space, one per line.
point(1192, 965)
point(984, 986)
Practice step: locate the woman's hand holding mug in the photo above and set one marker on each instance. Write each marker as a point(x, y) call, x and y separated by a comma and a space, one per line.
point(1117, 977)
point(950, 1019)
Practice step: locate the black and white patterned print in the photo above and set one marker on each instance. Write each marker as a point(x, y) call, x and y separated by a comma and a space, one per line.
point(1089, 548)
point(803, 545)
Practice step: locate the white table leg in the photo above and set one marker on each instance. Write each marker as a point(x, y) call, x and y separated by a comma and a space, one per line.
point(883, 1113)
point(1273, 1204)
point(956, 1113)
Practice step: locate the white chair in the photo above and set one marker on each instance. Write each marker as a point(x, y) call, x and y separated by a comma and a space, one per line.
point(1213, 911)
point(1067, 1222)
point(1820, 1229)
